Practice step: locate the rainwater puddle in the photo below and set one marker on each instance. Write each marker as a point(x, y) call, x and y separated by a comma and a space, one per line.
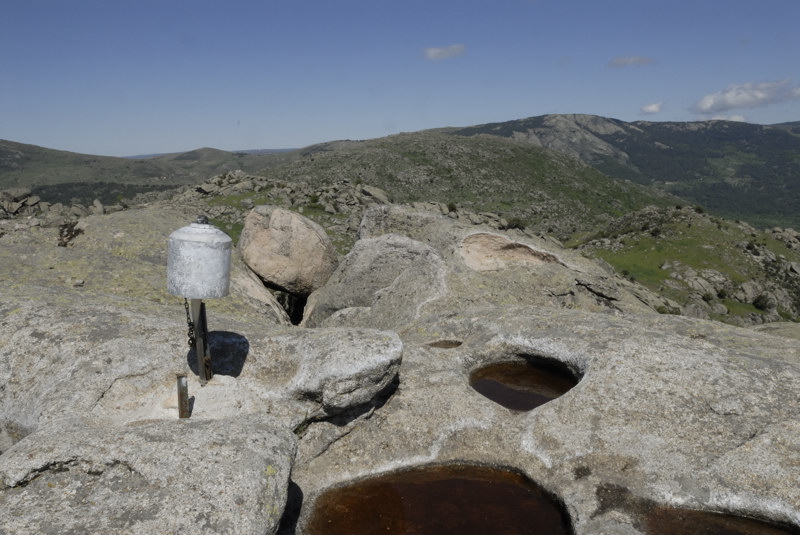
point(668, 521)
point(521, 386)
point(439, 500)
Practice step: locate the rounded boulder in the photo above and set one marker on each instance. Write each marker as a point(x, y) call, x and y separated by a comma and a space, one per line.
point(288, 251)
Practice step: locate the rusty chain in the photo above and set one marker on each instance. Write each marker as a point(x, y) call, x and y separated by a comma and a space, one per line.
point(190, 323)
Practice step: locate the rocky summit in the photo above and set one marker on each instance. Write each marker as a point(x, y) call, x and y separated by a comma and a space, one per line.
point(668, 413)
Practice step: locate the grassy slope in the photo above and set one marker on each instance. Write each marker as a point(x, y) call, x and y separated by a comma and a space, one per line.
point(543, 190)
point(539, 188)
point(735, 170)
point(29, 166)
point(646, 246)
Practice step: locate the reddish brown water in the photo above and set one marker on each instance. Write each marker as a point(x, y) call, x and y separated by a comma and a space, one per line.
point(441, 500)
point(521, 386)
point(667, 521)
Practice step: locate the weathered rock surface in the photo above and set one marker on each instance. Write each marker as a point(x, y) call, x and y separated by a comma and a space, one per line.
point(88, 403)
point(669, 410)
point(384, 280)
point(82, 475)
point(409, 264)
point(287, 250)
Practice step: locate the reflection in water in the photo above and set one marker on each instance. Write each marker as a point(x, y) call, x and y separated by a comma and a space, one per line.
point(521, 386)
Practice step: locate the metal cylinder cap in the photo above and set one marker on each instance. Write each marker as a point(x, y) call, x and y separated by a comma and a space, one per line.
point(199, 261)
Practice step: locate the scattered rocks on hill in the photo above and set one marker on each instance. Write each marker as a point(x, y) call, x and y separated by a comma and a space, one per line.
point(789, 236)
point(20, 209)
point(338, 207)
point(766, 282)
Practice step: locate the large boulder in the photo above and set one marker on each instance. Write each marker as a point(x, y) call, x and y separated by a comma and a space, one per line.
point(382, 281)
point(288, 251)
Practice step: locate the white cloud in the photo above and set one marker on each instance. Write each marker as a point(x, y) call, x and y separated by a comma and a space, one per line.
point(447, 52)
point(747, 95)
point(628, 61)
point(650, 109)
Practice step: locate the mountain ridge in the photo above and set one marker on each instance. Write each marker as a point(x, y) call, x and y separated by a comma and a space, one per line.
point(25, 165)
point(739, 171)
point(736, 170)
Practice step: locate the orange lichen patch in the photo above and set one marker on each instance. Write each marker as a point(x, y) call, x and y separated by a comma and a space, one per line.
point(491, 252)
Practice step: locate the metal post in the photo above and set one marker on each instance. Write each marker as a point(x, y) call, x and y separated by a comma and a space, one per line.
point(183, 397)
point(204, 372)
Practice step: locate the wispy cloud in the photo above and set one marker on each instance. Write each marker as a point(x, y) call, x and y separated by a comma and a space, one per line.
point(629, 61)
point(651, 109)
point(447, 52)
point(747, 95)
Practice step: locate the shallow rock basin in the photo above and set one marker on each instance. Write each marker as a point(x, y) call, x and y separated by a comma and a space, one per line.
point(440, 500)
point(521, 386)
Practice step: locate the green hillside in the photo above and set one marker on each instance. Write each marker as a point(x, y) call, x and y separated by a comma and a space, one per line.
point(703, 264)
point(736, 170)
point(534, 187)
point(723, 269)
point(31, 166)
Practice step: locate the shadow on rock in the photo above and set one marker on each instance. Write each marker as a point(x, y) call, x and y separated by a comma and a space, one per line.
point(228, 353)
point(291, 514)
point(344, 418)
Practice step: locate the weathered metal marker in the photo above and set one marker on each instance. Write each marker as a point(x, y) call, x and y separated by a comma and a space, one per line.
point(199, 267)
point(183, 397)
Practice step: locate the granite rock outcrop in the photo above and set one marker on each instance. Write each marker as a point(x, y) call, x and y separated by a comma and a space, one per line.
point(668, 410)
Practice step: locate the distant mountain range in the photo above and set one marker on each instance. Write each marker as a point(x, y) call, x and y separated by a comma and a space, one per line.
point(605, 186)
point(245, 151)
point(24, 165)
point(735, 170)
point(59, 176)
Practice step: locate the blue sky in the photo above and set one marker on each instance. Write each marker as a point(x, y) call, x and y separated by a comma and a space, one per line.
point(118, 78)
